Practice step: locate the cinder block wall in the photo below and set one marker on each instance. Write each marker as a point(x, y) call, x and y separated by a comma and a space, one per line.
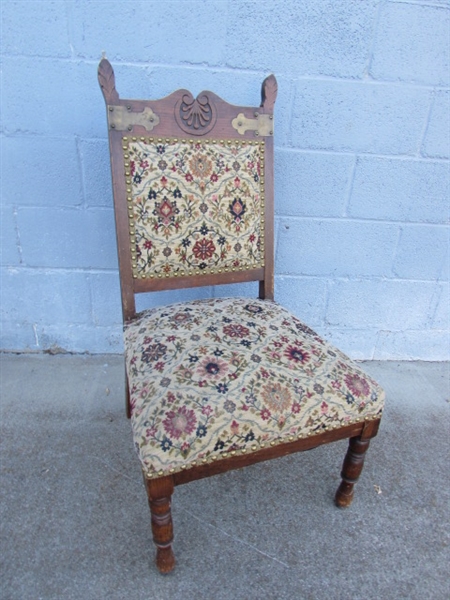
point(362, 159)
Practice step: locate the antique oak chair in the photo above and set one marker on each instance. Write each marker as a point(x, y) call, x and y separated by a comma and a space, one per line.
point(216, 384)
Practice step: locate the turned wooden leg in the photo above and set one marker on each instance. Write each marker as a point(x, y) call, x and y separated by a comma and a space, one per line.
point(159, 492)
point(351, 470)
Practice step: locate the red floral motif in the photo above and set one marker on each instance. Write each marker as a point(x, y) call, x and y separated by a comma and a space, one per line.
point(165, 211)
point(265, 414)
point(203, 249)
point(179, 422)
point(236, 330)
point(357, 385)
point(181, 317)
point(296, 354)
point(212, 367)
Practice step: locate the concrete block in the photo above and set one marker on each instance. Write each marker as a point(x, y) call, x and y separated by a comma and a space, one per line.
point(338, 248)
point(65, 97)
point(441, 318)
point(249, 289)
point(52, 171)
point(358, 117)
point(413, 345)
point(35, 29)
point(380, 304)
point(422, 252)
point(283, 111)
point(400, 190)
point(81, 338)
point(144, 301)
point(106, 300)
point(437, 139)
point(132, 81)
point(68, 238)
point(96, 170)
point(38, 297)
point(9, 250)
point(330, 37)
point(358, 344)
point(304, 297)
point(236, 88)
point(412, 44)
point(155, 31)
point(310, 184)
point(18, 337)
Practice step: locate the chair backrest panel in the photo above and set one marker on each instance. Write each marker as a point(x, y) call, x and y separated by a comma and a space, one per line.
point(193, 190)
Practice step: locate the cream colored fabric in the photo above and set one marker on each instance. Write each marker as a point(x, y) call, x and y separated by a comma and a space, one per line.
point(216, 376)
point(195, 206)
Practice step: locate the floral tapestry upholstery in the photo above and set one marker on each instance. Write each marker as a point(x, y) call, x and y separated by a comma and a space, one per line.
point(194, 206)
point(218, 377)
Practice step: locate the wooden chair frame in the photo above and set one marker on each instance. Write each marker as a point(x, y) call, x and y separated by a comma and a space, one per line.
point(125, 118)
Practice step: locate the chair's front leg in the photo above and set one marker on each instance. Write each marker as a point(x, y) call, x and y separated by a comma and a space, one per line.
point(351, 470)
point(159, 492)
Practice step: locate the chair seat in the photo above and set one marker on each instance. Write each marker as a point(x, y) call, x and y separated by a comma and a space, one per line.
point(216, 376)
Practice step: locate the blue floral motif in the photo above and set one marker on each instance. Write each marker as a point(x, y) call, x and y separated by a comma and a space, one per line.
point(222, 388)
point(201, 431)
point(166, 444)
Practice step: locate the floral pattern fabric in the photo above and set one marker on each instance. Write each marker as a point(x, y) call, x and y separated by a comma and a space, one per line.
point(219, 376)
point(194, 206)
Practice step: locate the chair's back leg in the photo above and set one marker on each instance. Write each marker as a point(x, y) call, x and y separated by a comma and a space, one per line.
point(159, 492)
point(351, 470)
point(127, 397)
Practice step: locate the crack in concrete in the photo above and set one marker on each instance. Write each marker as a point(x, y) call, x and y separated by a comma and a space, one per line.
point(235, 538)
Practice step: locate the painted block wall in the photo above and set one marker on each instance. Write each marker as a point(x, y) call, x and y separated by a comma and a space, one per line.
point(362, 159)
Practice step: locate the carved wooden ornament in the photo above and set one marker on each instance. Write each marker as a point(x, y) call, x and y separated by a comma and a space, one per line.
point(195, 116)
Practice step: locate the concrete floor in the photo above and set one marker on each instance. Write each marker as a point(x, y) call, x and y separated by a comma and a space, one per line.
point(75, 522)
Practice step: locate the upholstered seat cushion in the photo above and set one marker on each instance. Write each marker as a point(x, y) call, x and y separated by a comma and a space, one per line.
point(216, 376)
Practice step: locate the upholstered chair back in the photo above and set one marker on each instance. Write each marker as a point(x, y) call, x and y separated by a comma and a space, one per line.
point(193, 190)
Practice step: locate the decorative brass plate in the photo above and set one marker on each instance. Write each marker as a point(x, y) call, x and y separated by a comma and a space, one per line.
point(123, 118)
point(262, 125)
